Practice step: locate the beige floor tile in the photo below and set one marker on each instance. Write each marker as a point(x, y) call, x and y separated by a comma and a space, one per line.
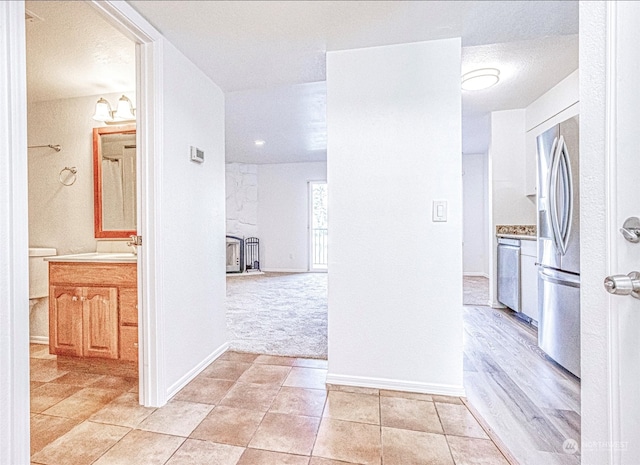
point(354, 389)
point(251, 396)
point(77, 378)
point(447, 399)
point(275, 360)
point(405, 447)
point(46, 429)
point(204, 390)
point(49, 394)
point(222, 369)
point(229, 426)
point(35, 384)
point(196, 452)
point(290, 434)
point(124, 410)
point(474, 451)
point(298, 401)
point(141, 447)
point(178, 418)
point(417, 415)
point(348, 406)
point(311, 363)
point(457, 420)
point(45, 371)
point(348, 441)
point(238, 357)
point(312, 378)
point(265, 374)
point(41, 352)
point(265, 457)
point(83, 403)
point(117, 382)
point(406, 395)
point(82, 445)
point(323, 461)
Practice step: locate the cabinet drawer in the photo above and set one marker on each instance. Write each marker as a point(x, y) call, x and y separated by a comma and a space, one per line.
point(128, 306)
point(129, 343)
point(101, 274)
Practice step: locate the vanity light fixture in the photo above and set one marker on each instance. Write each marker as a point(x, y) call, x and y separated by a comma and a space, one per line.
point(480, 79)
point(259, 143)
point(124, 111)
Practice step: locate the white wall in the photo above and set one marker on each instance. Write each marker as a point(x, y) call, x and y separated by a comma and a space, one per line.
point(395, 280)
point(507, 201)
point(193, 229)
point(475, 208)
point(241, 185)
point(62, 216)
point(283, 214)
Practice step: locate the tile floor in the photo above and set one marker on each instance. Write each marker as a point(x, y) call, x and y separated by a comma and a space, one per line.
point(246, 410)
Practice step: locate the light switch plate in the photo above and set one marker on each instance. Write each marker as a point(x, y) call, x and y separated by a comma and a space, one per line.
point(439, 211)
point(197, 155)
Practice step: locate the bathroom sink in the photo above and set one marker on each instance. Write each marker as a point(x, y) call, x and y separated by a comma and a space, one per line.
point(99, 257)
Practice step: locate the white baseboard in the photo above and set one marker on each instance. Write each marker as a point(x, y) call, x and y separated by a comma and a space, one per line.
point(285, 270)
point(44, 340)
point(476, 274)
point(195, 371)
point(496, 304)
point(397, 385)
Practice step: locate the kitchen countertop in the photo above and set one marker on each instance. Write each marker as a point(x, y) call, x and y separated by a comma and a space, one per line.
point(522, 237)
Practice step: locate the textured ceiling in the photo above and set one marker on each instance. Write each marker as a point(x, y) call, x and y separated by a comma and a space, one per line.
point(269, 57)
point(73, 52)
point(252, 44)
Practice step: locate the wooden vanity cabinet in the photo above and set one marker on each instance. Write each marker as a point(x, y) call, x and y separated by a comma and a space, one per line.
point(93, 310)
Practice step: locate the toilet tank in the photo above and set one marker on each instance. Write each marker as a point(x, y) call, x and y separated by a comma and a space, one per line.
point(39, 271)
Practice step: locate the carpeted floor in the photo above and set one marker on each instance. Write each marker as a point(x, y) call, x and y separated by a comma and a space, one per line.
point(476, 290)
point(278, 314)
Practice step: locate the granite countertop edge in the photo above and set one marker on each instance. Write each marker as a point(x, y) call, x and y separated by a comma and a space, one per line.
point(523, 237)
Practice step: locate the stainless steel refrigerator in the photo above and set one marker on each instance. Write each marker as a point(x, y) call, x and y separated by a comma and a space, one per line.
point(559, 244)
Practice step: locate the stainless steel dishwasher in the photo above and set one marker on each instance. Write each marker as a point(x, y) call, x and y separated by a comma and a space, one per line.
point(509, 273)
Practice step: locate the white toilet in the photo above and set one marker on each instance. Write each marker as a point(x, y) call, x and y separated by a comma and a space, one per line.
point(39, 271)
point(38, 293)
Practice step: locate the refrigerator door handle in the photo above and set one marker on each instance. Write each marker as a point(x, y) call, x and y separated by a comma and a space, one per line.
point(568, 197)
point(552, 186)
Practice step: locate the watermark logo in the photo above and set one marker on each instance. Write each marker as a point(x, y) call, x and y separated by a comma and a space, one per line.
point(570, 446)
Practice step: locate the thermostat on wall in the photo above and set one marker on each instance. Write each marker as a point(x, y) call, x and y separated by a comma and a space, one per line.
point(197, 155)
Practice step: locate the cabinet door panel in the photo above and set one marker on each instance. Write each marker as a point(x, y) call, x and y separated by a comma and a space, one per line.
point(129, 343)
point(100, 322)
point(530, 287)
point(128, 306)
point(65, 321)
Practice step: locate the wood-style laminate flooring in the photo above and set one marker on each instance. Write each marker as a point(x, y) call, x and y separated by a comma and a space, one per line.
point(530, 402)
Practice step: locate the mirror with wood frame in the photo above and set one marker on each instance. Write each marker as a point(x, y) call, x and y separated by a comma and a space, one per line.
point(114, 181)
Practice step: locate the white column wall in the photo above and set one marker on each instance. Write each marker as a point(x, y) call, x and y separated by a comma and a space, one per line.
point(475, 207)
point(193, 213)
point(395, 279)
point(283, 214)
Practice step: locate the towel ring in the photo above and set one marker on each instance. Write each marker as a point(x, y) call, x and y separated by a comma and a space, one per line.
point(70, 178)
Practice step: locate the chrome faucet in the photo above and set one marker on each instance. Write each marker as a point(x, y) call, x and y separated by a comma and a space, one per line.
point(134, 243)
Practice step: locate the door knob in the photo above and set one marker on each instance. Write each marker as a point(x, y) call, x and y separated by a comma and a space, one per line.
point(621, 284)
point(631, 229)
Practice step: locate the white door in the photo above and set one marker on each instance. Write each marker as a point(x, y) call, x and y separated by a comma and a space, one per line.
point(610, 102)
point(625, 256)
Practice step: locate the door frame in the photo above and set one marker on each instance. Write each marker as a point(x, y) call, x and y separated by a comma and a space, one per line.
point(310, 227)
point(14, 271)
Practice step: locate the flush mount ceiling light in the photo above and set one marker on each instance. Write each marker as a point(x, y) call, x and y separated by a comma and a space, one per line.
point(259, 143)
point(480, 79)
point(124, 112)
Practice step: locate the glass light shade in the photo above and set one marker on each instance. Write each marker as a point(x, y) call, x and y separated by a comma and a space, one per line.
point(103, 111)
point(480, 79)
point(124, 111)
